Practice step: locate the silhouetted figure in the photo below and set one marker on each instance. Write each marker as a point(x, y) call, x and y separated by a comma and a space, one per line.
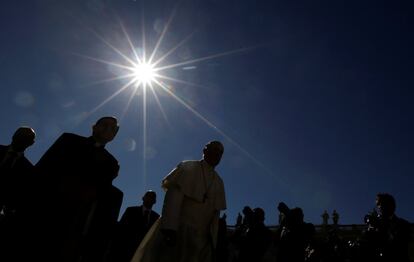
point(16, 181)
point(387, 236)
point(325, 218)
point(131, 229)
point(248, 216)
point(188, 227)
point(243, 224)
point(335, 218)
point(294, 235)
point(16, 172)
point(256, 241)
point(239, 220)
point(78, 198)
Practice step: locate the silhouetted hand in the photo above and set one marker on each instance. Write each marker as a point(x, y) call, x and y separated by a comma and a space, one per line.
point(170, 236)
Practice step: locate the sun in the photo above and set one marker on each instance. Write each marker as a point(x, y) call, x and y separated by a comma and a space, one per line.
point(144, 73)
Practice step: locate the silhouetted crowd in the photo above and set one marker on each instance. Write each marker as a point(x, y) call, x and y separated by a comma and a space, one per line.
point(385, 237)
point(65, 208)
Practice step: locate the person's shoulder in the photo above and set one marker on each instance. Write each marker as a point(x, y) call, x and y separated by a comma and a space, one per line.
point(71, 137)
point(403, 222)
point(132, 210)
point(188, 164)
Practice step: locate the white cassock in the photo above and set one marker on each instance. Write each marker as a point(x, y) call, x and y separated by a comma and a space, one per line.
point(195, 195)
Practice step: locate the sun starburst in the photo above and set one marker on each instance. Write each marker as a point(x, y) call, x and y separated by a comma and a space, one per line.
point(142, 73)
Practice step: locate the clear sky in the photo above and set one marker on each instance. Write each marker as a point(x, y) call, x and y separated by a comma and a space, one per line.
point(316, 108)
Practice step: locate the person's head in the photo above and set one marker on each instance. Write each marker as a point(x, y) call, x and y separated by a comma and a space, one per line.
point(105, 129)
point(23, 138)
point(212, 152)
point(296, 215)
point(247, 211)
point(149, 199)
point(385, 204)
point(258, 215)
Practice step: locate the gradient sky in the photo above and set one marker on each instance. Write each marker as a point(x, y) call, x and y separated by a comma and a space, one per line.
point(322, 101)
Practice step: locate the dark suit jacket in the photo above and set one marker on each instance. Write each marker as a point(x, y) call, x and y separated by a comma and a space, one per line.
point(15, 182)
point(74, 167)
point(78, 197)
point(131, 230)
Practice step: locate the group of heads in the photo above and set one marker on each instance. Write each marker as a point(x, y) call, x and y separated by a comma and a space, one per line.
point(253, 216)
point(104, 131)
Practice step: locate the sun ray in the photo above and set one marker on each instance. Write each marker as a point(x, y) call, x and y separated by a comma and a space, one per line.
point(204, 58)
point(130, 42)
point(108, 80)
point(178, 80)
point(112, 47)
point(210, 124)
point(144, 136)
point(128, 103)
point(174, 48)
point(164, 31)
point(104, 61)
point(160, 105)
point(143, 36)
point(120, 90)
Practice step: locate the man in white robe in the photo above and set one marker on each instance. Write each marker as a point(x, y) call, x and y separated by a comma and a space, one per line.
point(187, 229)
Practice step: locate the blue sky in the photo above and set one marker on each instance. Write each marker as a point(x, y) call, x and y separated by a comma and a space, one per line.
point(321, 100)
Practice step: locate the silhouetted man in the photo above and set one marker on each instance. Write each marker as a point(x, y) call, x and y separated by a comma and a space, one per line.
point(16, 177)
point(335, 218)
point(325, 218)
point(187, 231)
point(134, 224)
point(78, 195)
point(15, 170)
point(294, 235)
point(388, 236)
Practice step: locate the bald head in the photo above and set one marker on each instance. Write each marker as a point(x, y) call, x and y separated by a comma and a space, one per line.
point(23, 138)
point(105, 129)
point(212, 152)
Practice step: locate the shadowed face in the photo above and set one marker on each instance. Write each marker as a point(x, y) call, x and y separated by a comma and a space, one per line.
point(105, 130)
point(149, 199)
point(213, 152)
